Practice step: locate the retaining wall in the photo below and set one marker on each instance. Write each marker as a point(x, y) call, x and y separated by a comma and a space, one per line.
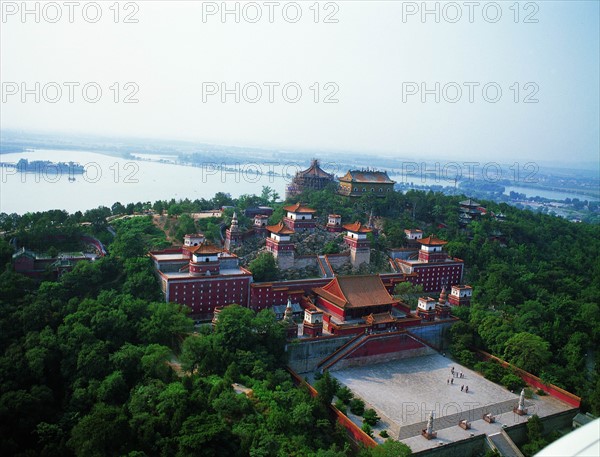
point(304, 355)
point(551, 389)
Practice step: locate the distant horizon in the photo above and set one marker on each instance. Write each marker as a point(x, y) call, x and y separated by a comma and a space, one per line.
point(506, 82)
point(129, 141)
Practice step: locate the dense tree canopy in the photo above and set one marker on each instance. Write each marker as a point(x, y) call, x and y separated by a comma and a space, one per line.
point(97, 364)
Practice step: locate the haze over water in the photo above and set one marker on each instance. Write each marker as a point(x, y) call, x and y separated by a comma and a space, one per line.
point(110, 179)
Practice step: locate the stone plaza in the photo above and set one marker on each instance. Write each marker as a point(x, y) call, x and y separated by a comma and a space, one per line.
point(404, 392)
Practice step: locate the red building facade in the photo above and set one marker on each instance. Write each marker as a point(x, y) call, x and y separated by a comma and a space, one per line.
point(202, 278)
point(300, 218)
point(433, 269)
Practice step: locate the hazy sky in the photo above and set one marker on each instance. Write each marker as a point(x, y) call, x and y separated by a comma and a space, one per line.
point(375, 57)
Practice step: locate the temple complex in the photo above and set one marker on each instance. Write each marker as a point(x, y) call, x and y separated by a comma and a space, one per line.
point(206, 277)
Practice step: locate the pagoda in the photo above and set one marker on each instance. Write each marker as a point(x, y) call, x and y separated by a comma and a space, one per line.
point(442, 309)
point(313, 178)
point(233, 235)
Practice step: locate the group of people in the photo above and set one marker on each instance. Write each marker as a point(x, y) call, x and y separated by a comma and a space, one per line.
point(457, 374)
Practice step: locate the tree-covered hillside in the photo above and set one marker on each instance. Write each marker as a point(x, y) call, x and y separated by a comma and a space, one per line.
point(96, 364)
point(88, 363)
point(536, 280)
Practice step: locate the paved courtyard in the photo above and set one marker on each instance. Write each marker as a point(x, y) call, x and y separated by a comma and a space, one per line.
point(404, 392)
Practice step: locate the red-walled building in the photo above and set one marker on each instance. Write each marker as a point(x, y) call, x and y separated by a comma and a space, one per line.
point(300, 218)
point(360, 246)
point(202, 277)
point(434, 268)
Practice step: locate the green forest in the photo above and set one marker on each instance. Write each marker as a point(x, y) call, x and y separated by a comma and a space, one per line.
point(96, 364)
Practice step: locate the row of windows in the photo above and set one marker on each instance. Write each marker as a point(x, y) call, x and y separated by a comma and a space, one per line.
point(445, 268)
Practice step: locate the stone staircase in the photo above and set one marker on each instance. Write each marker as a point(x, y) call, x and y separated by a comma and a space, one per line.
point(505, 446)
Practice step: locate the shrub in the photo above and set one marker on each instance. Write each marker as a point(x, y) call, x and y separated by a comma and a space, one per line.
point(528, 392)
point(492, 371)
point(357, 406)
point(466, 358)
point(370, 417)
point(344, 394)
point(339, 404)
point(541, 392)
point(384, 434)
point(367, 429)
point(512, 382)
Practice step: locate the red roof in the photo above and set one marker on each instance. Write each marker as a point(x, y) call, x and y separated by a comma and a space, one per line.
point(355, 292)
point(362, 176)
point(279, 229)
point(206, 248)
point(379, 318)
point(298, 208)
point(357, 227)
point(431, 240)
point(315, 171)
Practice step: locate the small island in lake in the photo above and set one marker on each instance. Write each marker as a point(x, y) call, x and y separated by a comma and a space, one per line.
point(45, 166)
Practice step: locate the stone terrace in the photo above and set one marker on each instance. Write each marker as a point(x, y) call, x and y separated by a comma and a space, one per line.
point(403, 392)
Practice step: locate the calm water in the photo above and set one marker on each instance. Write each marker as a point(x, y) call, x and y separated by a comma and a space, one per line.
point(111, 179)
point(529, 192)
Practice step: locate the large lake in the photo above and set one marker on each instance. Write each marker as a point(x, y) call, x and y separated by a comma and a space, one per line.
point(111, 179)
